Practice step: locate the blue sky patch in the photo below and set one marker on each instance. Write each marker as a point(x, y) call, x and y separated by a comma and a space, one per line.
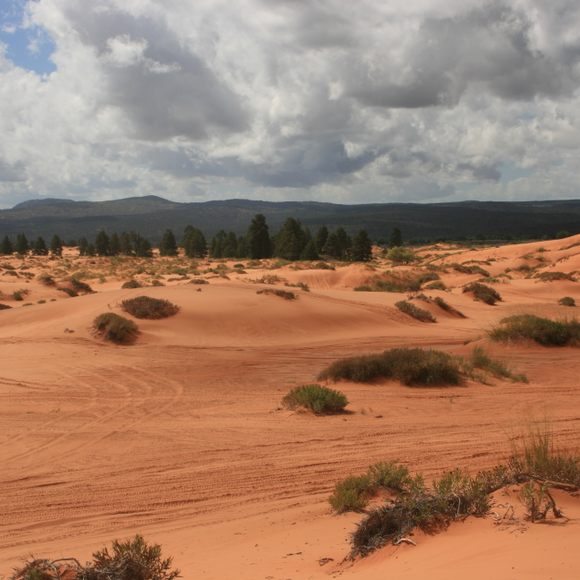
point(28, 48)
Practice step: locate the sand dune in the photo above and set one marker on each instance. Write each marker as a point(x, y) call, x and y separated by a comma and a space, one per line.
point(180, 436)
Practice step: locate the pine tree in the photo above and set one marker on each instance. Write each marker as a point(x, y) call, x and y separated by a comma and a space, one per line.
point(259, 242)
point(141, 246)
point(231, 246)
point(290, 240)
point(396, 239)
point(218, 243)
point(114, 245)
point(168, 244)
point(194, 243)
point(56, 246)
point(83, 247)
point(39, 247)
point(21, 246)
point(309, 252)
point(102, 244)
point(321, 238)
point(6, 248)
point(362, 249)
point(243, 249)
point(126, 244)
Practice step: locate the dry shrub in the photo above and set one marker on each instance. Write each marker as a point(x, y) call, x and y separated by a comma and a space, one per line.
point(115, 328)
point(149, 308)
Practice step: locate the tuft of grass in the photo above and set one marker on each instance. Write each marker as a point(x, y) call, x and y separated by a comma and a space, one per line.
point(541, 330)
point(555, 276)
point(447, 307)
point(437, 285)
point(19, 295)
point(46, 279)
point(483, 293)
point(567, 301)
point(318, 399)
point(481, 360)
point(472, 269)
point(352, 494)
point(198, 281)
point(80, 287)
point(410, 366)
point(286, 294)
point(415, 312)
point(115, 328)
point(149, 308)
point(68, 291)
point(132, 284)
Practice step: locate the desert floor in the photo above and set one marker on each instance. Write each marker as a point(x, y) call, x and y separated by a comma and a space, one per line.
point(180, 437)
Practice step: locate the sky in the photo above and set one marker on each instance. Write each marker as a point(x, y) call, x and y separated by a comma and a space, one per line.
point(327, 100)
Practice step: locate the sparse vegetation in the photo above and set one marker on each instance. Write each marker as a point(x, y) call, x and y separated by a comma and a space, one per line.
point(115, 328)
point(567, 301)
point(133, 559)
point(415, 312)
point(318, 399)
point(481, 360)
point(410, 366)
point(5, 307)
point(400, 255)
point(286, 294)
point(132, 284)
point(437, 285)
point(46, 279)
point(80, 287)
point(541, 330)
point(483, 293)
point(149, 308)
point(19, 295)
point(472, 269)
point(555, 276)
point(447, 307)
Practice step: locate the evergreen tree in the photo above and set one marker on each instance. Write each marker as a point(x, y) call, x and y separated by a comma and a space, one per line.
point(321, 238)
point(361, 247)
point(91, 251)
point(290, 240)
point(259, 242)
point(102, 244)
point(332, 246)
point(231, 246)
point(168, 245)
point(56, 246)
point(243, 249)
point(125, 244)
point(22, 246)
point(141, 246)
point(194, 243)
point(338, 245)
point(83, 247)
point(114, 245)
point(218, 243)
point(39, 247)
point(6, 248)
point(396, 239)
point(310, 251)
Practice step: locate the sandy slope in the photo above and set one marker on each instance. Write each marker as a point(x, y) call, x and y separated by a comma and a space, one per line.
point(180, 437)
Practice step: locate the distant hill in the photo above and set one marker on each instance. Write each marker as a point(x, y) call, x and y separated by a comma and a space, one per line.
point(152, 215)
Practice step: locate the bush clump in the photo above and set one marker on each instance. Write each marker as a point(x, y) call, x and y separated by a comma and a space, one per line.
point(46, 279)
point(149, 308)
point(415, 312)
point(473, 269)
point(481, 360)
point(541, 330)
point(555, 276)
point(483, 293)
point(318, 399)
point(131, 284)
point(410, 366)
point(567, 301)
point(115, 328)
point(286, 294)
point(80, 287)
point(400, 255)
point(447, 307)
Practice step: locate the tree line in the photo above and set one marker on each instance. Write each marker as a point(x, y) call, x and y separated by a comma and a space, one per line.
point(292, 242)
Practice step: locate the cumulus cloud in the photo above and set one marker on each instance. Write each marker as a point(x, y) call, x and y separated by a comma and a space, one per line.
point(367, 101)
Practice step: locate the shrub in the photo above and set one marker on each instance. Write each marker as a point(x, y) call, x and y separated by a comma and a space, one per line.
point(364, 288)
point(483, 293)
point(46, 279)
point(149, 308)
point(447, 307)
point(415, 312)
point(567, 301)
point(411, 366)
point(5, 307)
point(132, 284)
point(541, 330)
point(389, 475)
point(481, 360)
point(400, 255)
point(437, 285)
point(19, 295)
point(286, 294)
point(352, 494)
point(555, 276)
point(320, 400)
point(474, 269)
point(69, 291)
point(80, 287)
point(115, 328)
point(199, 281)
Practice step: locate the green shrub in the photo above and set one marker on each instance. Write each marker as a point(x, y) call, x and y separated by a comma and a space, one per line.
point(68, 291)
point(555, 276)
point(437, 285)
point(19, 295)
point(567, 301)
point(132, 284)
point(389, 475)
point(415, 312)
point(400, 255)
point(541, 330)
point(447, 307)
point(481, 360)
point(352, 494)
point(149, 308)
point(474, 269)
point(410, 366)
point(115, 328)
point(286, 294)
point(320, 400)
point(46, 279)
point(80, 287)
point(483, 293)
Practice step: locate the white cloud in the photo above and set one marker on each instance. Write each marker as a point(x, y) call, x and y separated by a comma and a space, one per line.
point(367, 101)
